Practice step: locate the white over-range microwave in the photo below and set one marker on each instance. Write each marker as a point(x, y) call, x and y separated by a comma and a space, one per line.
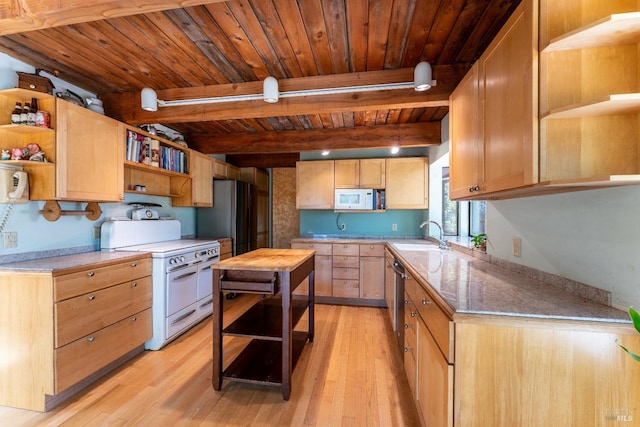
point(358, 199)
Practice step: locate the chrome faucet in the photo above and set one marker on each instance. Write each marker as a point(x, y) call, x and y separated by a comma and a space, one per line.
point(442, 244)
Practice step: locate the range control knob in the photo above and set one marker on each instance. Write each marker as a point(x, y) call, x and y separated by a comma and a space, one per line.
point(197, 255)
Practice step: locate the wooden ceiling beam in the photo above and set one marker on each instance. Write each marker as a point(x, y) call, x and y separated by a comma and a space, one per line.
point(17, 16)
point(126, 106)
point(288, 141)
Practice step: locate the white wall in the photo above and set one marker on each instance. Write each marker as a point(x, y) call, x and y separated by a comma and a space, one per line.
point(589, 236)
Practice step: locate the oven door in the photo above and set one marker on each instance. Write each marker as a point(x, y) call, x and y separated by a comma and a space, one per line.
point(205, 287)
point(182, 288)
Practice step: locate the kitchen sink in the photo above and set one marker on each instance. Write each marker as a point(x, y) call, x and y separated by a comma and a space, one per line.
point(416, 247)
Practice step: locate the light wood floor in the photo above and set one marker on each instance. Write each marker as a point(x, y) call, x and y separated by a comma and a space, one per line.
point(351, 375)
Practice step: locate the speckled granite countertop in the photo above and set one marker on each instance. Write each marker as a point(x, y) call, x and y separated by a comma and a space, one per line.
point(69, 262)
point(467, 285)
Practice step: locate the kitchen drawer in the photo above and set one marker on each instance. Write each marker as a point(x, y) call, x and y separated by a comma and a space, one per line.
point(372, 250)
point(320, 248)
point(346, 261)
point(79, 316)
point(81, 358)
point(92, 279)
point(436, 320)
point(348, 249)
point(346, 288)
point(346, 273)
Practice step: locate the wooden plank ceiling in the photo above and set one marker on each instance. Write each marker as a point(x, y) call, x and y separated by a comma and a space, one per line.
point(190, 49)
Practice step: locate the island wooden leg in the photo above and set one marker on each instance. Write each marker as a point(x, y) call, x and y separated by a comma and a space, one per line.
point(286, 335)
point(216, 380)
point(311, 304)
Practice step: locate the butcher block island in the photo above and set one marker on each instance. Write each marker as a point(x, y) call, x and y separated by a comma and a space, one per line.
point(274, 346)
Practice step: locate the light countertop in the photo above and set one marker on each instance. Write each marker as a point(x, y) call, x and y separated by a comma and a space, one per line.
point(68, 262)
point(468, 285)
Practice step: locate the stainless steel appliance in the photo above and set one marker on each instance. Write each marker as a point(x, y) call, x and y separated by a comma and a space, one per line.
point(182, 277)
point(234, 214)
point(398, 321)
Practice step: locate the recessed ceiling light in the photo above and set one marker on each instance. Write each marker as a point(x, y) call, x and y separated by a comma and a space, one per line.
point(325, 152)
point(395, 150)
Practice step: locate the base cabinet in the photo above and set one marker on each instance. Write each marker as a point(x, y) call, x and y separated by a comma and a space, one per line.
point(65, 325)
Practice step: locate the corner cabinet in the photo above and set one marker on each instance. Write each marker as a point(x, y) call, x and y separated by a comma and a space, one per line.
point(84, 149)
point(494, 132)
point(589, 92)
point(407, 183)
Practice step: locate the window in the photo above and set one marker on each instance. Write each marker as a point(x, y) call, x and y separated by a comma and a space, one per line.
point(450, 209)
point(477, 216)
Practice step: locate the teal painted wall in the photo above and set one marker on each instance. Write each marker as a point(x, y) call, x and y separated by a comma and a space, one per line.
point(379, 224)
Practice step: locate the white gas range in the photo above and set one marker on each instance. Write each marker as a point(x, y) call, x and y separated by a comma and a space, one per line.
point(182, 275)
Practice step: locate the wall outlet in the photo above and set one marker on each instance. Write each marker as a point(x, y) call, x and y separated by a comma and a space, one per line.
point(343, 226)
point(10, 239)
point(517, 247)
point(394, 227)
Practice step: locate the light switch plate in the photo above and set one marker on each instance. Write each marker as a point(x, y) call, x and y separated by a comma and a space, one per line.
point(517, 247)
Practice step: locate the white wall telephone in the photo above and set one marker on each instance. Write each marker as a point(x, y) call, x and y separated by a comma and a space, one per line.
point(14, 186)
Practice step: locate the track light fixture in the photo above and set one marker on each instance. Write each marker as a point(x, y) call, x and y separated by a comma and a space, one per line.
point(422, 80)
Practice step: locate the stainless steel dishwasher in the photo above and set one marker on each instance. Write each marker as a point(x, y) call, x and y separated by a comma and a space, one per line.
point(399, 270)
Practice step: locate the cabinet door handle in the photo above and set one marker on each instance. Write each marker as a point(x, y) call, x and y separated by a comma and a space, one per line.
point(406, 301)
point(92, 297)
point(474, 188)
point(134, 285)
point(407, 349)
point(133, 319)
point(184, 275)
point(91, 274)
point(407, 326)
point(134, 264)
point(413, 314)
point(425, 302)
point(91, 339)
point(204, 304)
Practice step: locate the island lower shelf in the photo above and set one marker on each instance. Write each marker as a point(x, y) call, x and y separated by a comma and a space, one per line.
point(263, 321)
point(260, 362)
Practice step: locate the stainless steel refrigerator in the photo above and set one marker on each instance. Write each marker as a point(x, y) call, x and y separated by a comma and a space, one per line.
point(234, 214)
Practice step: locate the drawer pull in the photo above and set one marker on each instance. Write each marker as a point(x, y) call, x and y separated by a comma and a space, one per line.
point(425, 302)
point(184, 316)
point(91, 274)
point(133, 319)
point(345, 258)
point(407, 349)
point(134, 264)
point(91, 339)
point(134, 285)
point(346, 246)
point(184, 276)
point(413, 314)
point(407, 326)
point(406, 301)
point(92, 297)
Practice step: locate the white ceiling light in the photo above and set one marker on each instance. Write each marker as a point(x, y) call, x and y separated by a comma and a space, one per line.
point(422, 81)
point(325, 152)
point(395, 150)
point(270, 90)
point(149, 99)
point(422, 77)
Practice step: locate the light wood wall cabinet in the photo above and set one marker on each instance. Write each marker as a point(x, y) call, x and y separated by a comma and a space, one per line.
point(589, 92)
point(407, 185)
point(85, 149)
point(360, 173)
point(198, 192)
point(494, 131)
point(63, 326)
point(314, 184)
